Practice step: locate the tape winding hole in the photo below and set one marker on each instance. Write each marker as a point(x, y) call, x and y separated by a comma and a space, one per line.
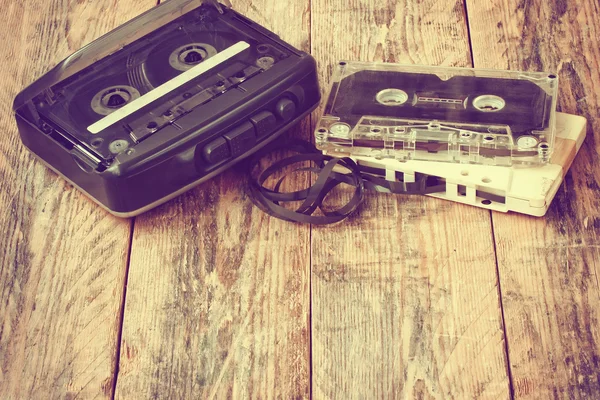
point(109, 99)
point(489, 103)
point(187, 56)
point(392, 97)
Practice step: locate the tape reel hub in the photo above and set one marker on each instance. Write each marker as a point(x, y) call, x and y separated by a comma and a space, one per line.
point(392, 97)
point(189, 55)
point(489, 103)
point(112, 98)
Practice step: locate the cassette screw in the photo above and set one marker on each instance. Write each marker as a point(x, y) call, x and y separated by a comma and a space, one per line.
point(526, 142)
point(340, 129)
point(46, 128)
point(265, 62)
point(118, 146)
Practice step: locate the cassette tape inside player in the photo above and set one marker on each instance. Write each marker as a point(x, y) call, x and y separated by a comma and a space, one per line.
point(440, 114)
point(164, 102)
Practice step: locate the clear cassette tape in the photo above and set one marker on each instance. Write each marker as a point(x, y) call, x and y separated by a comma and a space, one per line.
point(463, 115)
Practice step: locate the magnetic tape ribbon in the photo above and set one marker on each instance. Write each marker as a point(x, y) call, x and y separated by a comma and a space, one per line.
point(360, 177)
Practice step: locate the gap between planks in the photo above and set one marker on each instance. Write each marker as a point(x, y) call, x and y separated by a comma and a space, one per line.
point(500, 299)
point(511, 389)
point(122, 310)
point(124, 298)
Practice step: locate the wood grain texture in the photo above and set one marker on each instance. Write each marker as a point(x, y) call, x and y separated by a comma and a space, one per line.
point(404, 295)
point(62, 259)
point(217, 302)
point(549, 267)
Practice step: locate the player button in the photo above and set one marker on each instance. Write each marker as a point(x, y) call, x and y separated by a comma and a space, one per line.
point(241, 139)
point(286, 109)
point(216, 151)
point(264, 122)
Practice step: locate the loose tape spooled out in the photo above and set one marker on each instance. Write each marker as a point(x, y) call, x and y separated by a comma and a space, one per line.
point(360, 177)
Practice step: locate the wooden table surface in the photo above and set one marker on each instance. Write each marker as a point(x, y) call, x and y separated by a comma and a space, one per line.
point(206, 297)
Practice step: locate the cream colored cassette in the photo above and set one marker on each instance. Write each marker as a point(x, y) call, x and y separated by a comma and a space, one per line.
point(527, 190)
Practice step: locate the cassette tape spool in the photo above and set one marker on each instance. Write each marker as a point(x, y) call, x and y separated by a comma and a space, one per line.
point(441, 114)
point(165, 102)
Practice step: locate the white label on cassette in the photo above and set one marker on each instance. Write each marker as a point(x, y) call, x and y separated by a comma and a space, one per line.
point(167, 87)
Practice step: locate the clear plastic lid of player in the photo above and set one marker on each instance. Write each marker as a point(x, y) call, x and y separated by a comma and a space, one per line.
point(129, 84)
point(442, 114)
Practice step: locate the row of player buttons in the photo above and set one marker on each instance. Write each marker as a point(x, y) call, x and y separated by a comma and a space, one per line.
point(245, 136)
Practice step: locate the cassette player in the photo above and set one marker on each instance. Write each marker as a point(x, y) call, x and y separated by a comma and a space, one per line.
point(463, 115)
point(165, 102)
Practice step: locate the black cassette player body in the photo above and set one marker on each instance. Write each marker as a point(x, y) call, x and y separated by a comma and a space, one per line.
point(165, 102)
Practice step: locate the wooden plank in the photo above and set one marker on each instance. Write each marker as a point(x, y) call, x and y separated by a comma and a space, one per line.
point(62, 259)
point(217, 301)
point(549, 267)
point(404, 295)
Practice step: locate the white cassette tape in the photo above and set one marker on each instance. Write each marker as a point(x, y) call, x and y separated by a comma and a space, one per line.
point(523, 189)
